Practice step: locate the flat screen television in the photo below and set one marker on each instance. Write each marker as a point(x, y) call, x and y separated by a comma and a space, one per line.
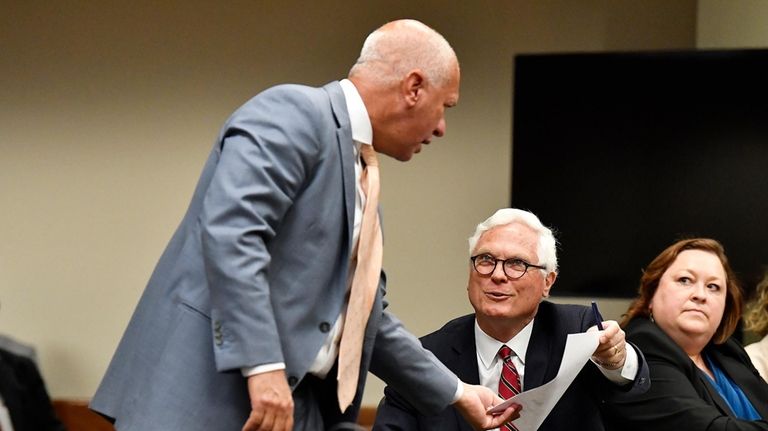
point(624, 153)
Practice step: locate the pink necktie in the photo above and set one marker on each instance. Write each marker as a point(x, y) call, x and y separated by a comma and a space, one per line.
point(509, 383)
point(364, 283)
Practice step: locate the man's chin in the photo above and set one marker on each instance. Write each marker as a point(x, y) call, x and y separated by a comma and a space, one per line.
point(409, 155)
point(403, 157)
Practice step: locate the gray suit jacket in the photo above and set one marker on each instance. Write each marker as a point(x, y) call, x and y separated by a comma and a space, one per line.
point(256, 273)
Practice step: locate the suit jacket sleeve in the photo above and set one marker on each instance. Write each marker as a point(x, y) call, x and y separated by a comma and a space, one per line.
point(395, 413)
point(400, 360)
point(678, 399)
point(454, 345)
point(264, 160)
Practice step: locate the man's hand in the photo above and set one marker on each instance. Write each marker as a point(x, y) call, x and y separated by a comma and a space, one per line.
point(612, 350)
point(271, 402)
point(474, 403)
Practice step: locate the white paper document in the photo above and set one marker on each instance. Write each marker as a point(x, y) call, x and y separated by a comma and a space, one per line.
point(538, 402)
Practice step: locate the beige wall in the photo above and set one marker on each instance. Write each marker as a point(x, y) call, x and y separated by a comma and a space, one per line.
point(732, 24)
point(108, 110)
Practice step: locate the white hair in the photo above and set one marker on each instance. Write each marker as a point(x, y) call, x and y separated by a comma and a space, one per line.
point(547, 245)
point(398, 47)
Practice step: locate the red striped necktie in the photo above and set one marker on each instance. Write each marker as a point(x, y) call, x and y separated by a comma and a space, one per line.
point(509, 382)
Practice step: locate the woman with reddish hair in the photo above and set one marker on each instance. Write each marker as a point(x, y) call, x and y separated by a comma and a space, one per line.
point(688, 306)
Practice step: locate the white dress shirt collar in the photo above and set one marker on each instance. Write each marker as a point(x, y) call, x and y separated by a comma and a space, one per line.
point(488, 347)
point(362, 131)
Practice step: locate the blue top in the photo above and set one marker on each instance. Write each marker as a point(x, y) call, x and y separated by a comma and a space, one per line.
point(731, 393)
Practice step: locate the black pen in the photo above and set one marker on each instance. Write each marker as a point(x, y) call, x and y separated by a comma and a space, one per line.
point(598, 317)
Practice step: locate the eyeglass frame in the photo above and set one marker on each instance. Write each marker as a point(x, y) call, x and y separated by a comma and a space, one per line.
point(503, 268)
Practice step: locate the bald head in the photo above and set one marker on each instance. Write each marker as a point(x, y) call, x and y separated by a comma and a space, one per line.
point(407, 76)
point(398, 47)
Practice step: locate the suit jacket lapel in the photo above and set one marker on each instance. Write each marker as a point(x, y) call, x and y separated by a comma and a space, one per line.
point(751, 385)
point(346, 153)
point(541, 362)
point(714, 395)
point(10, 389)
point(464, 363)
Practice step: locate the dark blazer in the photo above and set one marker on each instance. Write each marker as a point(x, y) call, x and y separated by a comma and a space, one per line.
point(24, 395)
point(454, 344)
point(680, 397)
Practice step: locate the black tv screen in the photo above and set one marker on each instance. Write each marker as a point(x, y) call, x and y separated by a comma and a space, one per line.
point(625, 153)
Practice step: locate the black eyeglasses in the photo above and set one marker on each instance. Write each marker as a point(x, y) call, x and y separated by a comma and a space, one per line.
point(513, 268)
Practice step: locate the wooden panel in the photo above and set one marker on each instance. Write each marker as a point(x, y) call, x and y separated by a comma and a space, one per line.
point(77, 417)
point(367, 417)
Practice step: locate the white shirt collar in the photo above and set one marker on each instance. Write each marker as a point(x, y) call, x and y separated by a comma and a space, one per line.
point(488, 347)
point(358, 115)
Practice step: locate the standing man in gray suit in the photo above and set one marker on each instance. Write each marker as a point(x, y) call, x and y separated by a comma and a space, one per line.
point(239, 326)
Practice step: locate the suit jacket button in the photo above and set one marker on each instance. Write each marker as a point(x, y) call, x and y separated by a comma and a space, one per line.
point(325, 327)
point(293, 380)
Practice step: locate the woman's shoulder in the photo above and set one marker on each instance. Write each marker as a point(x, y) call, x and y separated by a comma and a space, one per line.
point(733, 348)
point(653, 342)
point(644, 330)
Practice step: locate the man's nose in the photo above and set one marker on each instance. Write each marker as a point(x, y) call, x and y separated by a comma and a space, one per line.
point(498, 273)
point(440, 129)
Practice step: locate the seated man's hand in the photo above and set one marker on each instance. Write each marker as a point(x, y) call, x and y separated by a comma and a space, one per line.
point(474, 404)
point(271, 402)
point(612, 350)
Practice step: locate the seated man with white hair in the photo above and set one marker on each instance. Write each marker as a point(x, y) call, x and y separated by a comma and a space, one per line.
point(512, 267)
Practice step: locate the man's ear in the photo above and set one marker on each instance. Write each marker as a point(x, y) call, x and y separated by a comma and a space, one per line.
point(549, 280)
point(413, 87)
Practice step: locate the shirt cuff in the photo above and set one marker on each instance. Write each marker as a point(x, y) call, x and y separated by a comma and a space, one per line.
point(264, 368)
point(459, 391)
point(627, 372)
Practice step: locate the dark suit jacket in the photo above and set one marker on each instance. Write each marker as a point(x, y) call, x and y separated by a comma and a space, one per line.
point(454, 344)
point(681, 397)
point(24, 395)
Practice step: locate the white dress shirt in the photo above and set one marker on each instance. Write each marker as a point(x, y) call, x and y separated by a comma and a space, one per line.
point(362, 134)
